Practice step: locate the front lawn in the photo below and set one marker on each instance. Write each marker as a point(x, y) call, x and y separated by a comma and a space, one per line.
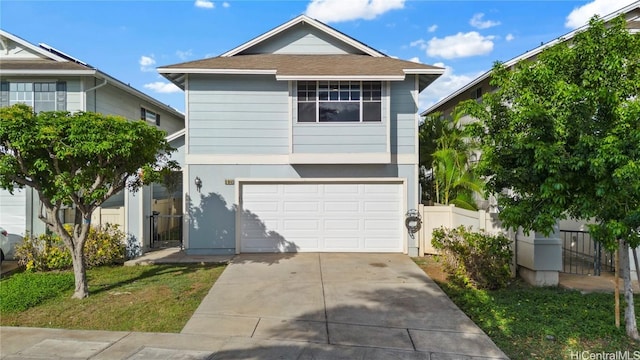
point(158, 298)
point(541, 323)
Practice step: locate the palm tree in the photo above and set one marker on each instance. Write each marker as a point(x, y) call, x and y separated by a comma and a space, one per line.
point(454, 179)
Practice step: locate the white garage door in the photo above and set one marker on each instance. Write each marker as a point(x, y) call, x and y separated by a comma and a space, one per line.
point(13, 211)
point(307, 217)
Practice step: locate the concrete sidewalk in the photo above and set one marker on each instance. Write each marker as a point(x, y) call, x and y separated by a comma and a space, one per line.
point(291, 306)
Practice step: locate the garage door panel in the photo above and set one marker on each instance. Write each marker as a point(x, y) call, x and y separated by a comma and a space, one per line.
point(342, 243)
point(322, 217)
point(341, 225)
point(301, 206)
point(389, 226)
point(301, 224)
point(341, 189)
point(262, 206)
point(341, 206)
point(300, 189)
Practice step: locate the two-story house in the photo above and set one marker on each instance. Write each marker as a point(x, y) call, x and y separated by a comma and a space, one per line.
point(48, 79)
point(302, 139)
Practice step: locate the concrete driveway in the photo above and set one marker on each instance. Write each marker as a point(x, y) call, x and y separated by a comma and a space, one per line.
point(328, 305)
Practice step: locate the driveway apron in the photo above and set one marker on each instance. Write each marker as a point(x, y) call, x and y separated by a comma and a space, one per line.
point(383, 302)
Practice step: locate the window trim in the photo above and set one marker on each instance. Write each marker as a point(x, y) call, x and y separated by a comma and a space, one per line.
point(143, 116)
point(59, 93)
point(343, 88)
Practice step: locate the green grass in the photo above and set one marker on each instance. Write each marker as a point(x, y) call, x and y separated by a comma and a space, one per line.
point(159, 298)
point(542, 323)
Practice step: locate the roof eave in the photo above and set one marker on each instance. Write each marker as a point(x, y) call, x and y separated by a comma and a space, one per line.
point(302, 77)
point(131, 90)
point(46, 72)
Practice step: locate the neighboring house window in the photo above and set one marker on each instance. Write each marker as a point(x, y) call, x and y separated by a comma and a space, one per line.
point(478, 94)
point(339, 101)
point(150, 116)
point(41, 96)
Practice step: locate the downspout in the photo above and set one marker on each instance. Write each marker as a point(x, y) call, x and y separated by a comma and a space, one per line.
point(95, 100)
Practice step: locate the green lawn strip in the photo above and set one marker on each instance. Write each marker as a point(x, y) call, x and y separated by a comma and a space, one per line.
point(529, 322)
point(159, 298)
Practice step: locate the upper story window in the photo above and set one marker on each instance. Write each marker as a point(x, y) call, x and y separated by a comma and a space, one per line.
point(150, 116)
point(339, 101)
point(477, 94)
point(41, 96)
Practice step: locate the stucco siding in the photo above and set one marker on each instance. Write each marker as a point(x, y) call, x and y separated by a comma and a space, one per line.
point(238, 115)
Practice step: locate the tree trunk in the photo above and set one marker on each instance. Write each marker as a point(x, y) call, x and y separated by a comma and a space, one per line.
point(629, 312)
point(80, 273)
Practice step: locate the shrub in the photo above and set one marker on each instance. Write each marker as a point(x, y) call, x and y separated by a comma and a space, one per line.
point(43, 252)
point(471, 258)
point(104, 246)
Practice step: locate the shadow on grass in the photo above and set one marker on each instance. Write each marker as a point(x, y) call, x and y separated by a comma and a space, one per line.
point(550, 322)
point(97, 285)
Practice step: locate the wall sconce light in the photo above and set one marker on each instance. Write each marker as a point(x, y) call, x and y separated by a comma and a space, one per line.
point(198, 183)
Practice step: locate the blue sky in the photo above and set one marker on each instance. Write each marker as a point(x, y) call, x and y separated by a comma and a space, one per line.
point(129, 39)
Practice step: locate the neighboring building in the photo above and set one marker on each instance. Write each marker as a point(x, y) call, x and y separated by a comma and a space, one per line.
point(539, 257)
point(47, 79)
point(302, 139)
point(480, 85)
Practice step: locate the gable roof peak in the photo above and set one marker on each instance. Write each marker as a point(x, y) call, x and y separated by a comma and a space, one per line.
point(304, 19)
point(44, 54)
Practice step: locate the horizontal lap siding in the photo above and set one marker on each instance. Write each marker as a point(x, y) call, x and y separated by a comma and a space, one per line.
point(403, 112)
point(303, 39)
point(343, 138)
point(238, 115)
point(114, 101)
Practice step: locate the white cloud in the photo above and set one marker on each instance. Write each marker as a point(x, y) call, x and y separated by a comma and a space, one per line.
point(581, 15)
point(226, 5)
point(432, 28)
point(509, 37)
point(341, 10)
point(147, 63)
point(204, 4)
point(419, 43)
point(477, 22)
point(457, 46)
point(415, 59)
point(184, 55)
point(162, 87)
point(444, 86)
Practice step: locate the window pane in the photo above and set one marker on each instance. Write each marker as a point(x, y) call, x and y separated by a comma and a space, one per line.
point(344, 95)
point(371, 111)
point(306, 112)
point(333, 95)
point(339, 111)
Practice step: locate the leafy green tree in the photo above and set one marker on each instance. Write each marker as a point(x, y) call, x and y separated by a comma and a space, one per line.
point(445, 148)
point(562, 132)
point(78, 160)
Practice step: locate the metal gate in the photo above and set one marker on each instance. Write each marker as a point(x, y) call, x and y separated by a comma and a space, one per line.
point(165, 230)
point(582, 255)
